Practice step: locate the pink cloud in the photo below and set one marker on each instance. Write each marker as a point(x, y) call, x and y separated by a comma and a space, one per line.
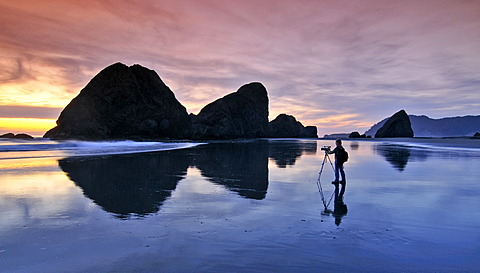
point(363, 60)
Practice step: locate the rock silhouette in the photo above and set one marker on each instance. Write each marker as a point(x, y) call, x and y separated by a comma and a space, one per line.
point(357, 135)
point(424, 126)
point(311, 131)
point(287, 126)
point(17, 136)
point(8, 135)
point(397, 125)
point(125, 103)
point(242, 114)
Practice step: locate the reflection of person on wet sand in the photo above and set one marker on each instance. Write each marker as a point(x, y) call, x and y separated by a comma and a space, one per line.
point(340, 208)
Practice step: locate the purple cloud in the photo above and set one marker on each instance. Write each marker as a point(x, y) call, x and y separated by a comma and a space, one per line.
point(358, 61)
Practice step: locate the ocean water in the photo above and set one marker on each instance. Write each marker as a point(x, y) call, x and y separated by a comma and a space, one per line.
point(245, 206)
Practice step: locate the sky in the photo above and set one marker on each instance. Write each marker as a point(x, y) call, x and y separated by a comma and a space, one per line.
point(339, 65)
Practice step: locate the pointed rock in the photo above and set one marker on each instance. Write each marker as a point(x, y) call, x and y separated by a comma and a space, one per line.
point(397, 125)
point(123, 102)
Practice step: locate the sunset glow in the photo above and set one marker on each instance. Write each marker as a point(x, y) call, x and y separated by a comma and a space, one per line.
point(339, 65)
point(34, 126)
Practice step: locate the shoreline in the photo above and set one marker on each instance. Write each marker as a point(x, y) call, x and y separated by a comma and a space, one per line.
point(443, 142)
point(425, 142)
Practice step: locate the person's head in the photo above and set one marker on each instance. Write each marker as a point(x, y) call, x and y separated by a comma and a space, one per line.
point(338, 142)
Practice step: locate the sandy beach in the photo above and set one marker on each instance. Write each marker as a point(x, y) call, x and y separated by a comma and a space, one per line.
point(250, 206)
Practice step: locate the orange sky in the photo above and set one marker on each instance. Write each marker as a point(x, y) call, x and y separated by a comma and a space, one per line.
point(339, 65)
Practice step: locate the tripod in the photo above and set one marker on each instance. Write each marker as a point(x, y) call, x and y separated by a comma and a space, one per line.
point(319, 184)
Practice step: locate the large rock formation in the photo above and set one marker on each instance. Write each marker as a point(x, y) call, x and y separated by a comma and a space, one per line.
point(123, 102)
point(242, 114)
point(286, 126)
point(397, 125)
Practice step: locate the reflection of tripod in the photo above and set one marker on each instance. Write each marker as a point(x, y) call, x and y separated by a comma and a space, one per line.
point(319, 184)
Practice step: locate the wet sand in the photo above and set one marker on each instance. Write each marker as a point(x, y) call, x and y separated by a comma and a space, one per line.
point(466, 143)
point(244, 207)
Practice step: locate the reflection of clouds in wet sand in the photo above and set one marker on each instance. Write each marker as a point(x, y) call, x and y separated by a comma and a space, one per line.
point(31, 190)
point(392, 219)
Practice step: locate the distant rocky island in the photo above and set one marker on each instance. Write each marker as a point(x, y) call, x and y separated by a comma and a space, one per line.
point(398, 125)
point(403, 125)
point(123, 102)
point(423, 126)
point(17, 136)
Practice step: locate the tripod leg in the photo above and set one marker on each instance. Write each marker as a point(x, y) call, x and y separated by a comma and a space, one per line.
point(319, 184)
point(331, 164)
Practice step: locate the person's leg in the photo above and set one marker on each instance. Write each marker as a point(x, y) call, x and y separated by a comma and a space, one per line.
point(337, 167)
point(342, 172)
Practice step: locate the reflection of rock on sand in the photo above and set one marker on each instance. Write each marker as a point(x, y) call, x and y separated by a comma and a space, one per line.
point(138, 184)
point(285, 153)
point(127, 184)
point(240, 167)
point(399, 156)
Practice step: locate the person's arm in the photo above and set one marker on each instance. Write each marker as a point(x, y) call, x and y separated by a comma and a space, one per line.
point(333, 151)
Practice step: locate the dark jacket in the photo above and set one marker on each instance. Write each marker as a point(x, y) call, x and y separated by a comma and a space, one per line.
point(336, 151)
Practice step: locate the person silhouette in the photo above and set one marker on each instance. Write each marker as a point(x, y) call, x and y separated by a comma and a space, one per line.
point(338, 162)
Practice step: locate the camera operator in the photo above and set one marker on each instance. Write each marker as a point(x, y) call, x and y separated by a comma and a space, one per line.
point(338, 161)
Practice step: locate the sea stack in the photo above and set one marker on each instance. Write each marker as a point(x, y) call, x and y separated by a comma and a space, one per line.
point(123, 102)
point(397, 125)
point(287, 126)
point(17, 136)
point(242, 114)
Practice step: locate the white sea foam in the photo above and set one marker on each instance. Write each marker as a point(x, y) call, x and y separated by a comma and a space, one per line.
point(441, 144)
point(10, 149)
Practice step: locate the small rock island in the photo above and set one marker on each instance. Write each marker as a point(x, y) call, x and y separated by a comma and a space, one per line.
point(398, 125)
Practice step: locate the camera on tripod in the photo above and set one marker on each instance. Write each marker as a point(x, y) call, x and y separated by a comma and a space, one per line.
point(326, 148)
